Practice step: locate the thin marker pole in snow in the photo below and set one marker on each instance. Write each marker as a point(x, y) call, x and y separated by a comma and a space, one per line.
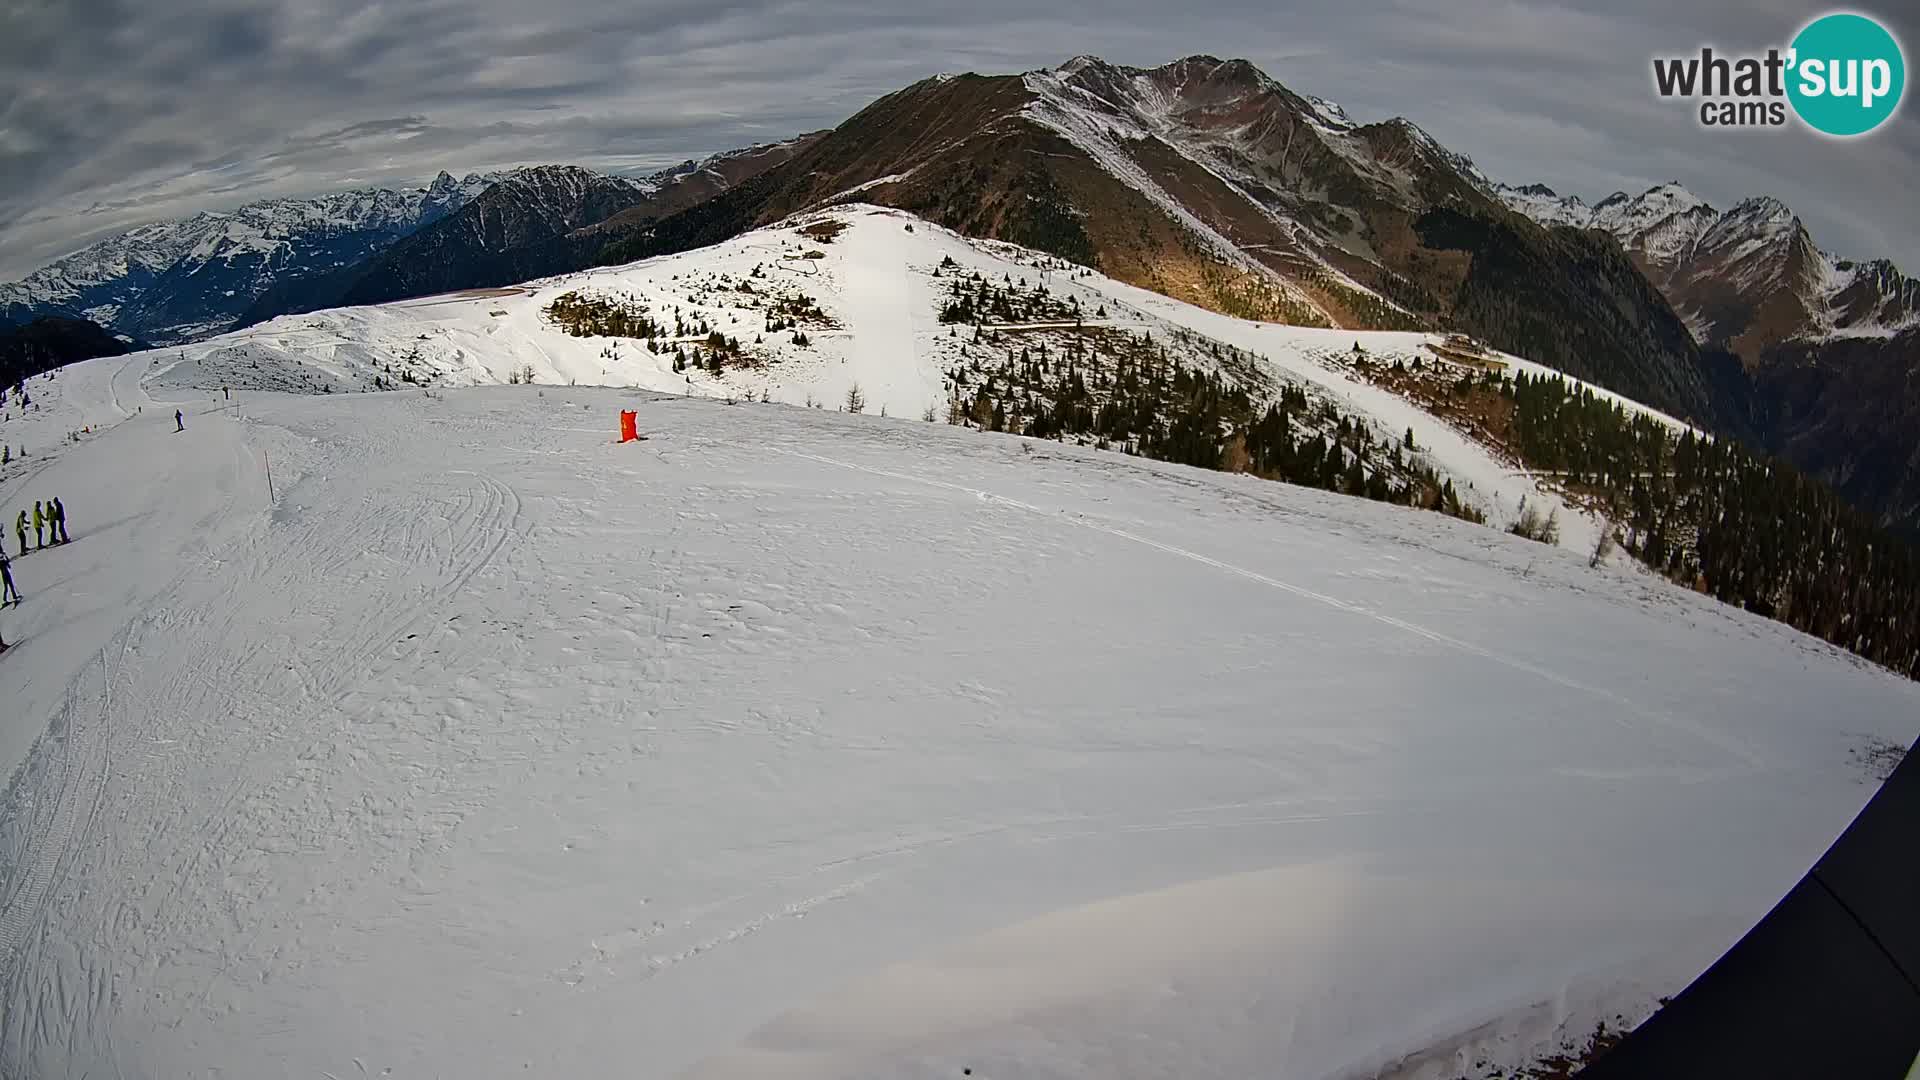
point(269, 463)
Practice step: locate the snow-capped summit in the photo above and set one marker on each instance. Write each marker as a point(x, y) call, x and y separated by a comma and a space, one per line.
point(1330, 113)
point(1543, 204)
point(1626, 216)
point(1744, 278)
point(1078, 64)
point(183, 279)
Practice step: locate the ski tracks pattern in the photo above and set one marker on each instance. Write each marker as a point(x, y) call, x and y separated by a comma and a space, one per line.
point(212, 699)
point(60, 811)
point(456, 546)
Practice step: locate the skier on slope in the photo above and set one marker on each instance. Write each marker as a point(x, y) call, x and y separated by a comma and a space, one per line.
point(20, 530)
point(39, 528)
point(179, 421)
point(7, 587)
point(60, 520)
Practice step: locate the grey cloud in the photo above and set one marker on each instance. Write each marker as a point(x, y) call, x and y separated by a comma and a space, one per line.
point(113, 113)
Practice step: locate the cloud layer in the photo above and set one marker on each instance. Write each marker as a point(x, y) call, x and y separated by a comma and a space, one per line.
point(114, 113)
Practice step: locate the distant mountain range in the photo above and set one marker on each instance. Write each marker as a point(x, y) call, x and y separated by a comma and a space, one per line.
point(1744, 278)
point(1203, 179)
point(184, 280)
point(187, 279)
point(530, 223)
point(1825, 351)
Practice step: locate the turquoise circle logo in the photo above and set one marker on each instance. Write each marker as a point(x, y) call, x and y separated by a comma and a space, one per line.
point(1847, 74)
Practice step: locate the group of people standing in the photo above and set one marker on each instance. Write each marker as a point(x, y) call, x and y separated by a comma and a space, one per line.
point(49, 525)
point(49, 529)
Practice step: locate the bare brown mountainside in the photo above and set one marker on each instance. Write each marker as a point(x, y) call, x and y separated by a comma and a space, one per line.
point(1208, 181)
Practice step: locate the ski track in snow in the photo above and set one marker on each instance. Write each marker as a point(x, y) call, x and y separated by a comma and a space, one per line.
point(1730, 746)
point(879, 295)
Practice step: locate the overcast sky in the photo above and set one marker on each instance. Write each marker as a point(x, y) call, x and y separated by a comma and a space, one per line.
point(114, 112)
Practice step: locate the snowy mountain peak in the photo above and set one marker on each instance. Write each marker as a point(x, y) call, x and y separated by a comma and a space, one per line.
point(1763, 211)
point(1628, 217)
point(1330, 113)
point(1431, 147)
point(566, 177)
point(1083, 62)
point(1658, 227)
point(1232, 72)
point(1546, 206)
point(1673, 192)
point(1190, 81)
point(1746, 276)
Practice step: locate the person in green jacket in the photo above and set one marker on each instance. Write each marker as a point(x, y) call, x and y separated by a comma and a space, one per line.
point(20, 530)
point(39, 528)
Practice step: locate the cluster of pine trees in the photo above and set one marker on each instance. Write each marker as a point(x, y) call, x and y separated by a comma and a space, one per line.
point(1713, 515)
point(585, 315)
point(720, 350)
point(1113, 390)
point(793, 312)
point(1707, 513)
point(411, 362)
point(975, 300)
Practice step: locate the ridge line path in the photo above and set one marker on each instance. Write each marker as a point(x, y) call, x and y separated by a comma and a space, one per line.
point(882, 302)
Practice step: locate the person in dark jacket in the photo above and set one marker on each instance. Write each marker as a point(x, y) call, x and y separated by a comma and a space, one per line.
point(60, 520)
point(39, 528)
point(179, 420)
point(7, 587)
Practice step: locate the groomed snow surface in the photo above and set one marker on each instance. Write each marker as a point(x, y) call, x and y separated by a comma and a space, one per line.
point(794, 744)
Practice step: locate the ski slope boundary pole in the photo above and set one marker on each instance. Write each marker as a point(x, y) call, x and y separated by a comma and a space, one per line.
point(265, 458)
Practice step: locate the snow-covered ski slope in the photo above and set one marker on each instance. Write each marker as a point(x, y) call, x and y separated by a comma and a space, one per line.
point(791, 743)
point(880, 283)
